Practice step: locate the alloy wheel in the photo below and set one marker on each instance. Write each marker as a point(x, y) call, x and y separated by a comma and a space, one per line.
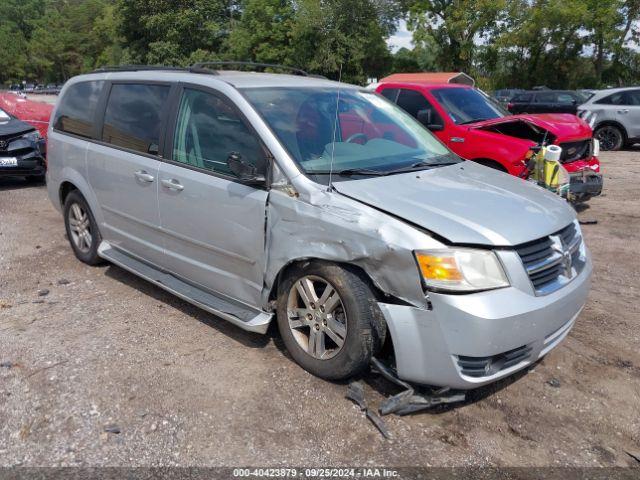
point(608, 137)
point(80, 228)
point(317, 317)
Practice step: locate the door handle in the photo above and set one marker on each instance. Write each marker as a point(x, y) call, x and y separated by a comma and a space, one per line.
point(172, 184)
point(144, 176)
point(625, 110)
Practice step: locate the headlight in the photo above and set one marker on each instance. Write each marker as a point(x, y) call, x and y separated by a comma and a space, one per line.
point(461, 269)
point(596, 147)
point(32, 136)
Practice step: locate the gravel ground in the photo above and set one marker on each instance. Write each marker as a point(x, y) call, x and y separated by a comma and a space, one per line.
point(98, 367)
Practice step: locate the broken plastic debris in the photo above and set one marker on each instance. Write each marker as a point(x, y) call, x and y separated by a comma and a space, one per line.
point(355, 393)
point(409, 401)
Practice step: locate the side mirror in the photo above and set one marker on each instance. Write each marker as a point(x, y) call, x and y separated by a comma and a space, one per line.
point(425, 118)
point(244, 171)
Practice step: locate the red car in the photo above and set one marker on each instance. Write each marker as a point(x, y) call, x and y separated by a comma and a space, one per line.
point(34, 113)
point(479, 129)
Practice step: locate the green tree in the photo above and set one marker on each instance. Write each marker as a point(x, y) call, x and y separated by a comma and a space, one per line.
point(456, 26)
point(264, 32)
point(169, 31)
point(347, 35)
point(12, 59)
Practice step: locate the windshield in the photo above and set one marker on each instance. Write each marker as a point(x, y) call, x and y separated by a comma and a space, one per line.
point(466, 105)
point(372, 135)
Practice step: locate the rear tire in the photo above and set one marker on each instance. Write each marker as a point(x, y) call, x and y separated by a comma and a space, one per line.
point(329, 319)
point(82, 229)
point(610, 137)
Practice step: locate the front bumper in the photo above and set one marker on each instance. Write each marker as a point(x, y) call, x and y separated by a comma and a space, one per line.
point(505, 330)
point(584, 185)
point(30, 160)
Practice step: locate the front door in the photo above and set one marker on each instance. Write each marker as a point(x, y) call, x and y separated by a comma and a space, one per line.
point(123, 168)
point(213, 224)
point(629, 113)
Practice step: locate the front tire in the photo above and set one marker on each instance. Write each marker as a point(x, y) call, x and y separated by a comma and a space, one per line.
point(82, 229)
point(329, 319)
point(610, 137)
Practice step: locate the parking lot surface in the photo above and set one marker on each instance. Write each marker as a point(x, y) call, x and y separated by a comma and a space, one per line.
point(98, 367)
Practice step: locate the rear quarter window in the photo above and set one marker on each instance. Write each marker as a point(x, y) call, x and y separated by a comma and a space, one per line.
point(76, 112)
point(613, 99)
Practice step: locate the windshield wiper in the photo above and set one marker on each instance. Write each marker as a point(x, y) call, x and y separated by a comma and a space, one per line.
point(473, 121)
point(360, 171)
point(422, 164)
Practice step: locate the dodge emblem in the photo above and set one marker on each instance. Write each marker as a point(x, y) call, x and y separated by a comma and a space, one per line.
point(567, 260)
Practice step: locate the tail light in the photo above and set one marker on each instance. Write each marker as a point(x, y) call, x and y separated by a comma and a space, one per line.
point(509, 105)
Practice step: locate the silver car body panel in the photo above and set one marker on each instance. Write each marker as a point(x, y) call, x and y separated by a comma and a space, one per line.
point(627, 116)
point(129, 205)
point(466, 203)
point(236, 240)
point(213, 232)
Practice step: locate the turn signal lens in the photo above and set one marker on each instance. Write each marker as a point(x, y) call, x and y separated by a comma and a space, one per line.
point(461, 269)
point(439, 267)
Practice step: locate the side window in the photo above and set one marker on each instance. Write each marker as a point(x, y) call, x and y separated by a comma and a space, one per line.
point(523, 98)
point(134, 116)
point(208, 130)
point(77, 109)
point(613, 99)
point(545, 97)
point(390, 93)
point(632, 98)
point(565, 98)
point(414, 102)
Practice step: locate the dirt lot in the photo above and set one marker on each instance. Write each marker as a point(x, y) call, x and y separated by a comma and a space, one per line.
point(86, 348)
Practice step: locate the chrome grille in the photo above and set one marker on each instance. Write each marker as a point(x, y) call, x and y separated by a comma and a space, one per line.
point(486, 366)
point(552, 261)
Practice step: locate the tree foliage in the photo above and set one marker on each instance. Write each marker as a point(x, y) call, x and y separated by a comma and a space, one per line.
point(503, 43)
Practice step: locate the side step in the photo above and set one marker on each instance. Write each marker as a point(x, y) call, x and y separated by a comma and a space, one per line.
point(234, 312)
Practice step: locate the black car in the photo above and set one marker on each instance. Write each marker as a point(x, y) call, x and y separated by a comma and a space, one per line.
point(22, 149)
point(546, 101)
point(506, 94)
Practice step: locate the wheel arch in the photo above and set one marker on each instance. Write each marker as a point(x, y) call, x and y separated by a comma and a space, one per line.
point(71, 179)
point(613, 123)
point(65, 189)
point(357, 269)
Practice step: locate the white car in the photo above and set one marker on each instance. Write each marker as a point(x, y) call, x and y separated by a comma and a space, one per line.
point(614, 115)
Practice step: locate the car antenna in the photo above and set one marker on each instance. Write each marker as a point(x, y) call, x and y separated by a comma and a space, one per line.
point(335, 128)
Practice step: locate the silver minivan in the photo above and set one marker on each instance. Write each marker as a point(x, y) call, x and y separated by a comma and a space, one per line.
point(320, 205)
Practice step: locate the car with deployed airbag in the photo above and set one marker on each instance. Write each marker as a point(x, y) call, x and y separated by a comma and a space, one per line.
point(321, 206)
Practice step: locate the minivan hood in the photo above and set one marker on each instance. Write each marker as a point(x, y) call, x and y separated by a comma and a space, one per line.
point(466, 203)
point(563, 126)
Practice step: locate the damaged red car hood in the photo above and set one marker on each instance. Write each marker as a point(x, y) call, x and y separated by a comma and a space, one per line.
point(34, 113)
point(563, 125)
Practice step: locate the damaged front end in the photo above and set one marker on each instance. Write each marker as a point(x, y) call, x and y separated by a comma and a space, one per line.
point(22, 149)
point(579, 156)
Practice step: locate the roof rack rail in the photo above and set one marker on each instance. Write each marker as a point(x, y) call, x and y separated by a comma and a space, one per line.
point(142, 68)
point(296, 71)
